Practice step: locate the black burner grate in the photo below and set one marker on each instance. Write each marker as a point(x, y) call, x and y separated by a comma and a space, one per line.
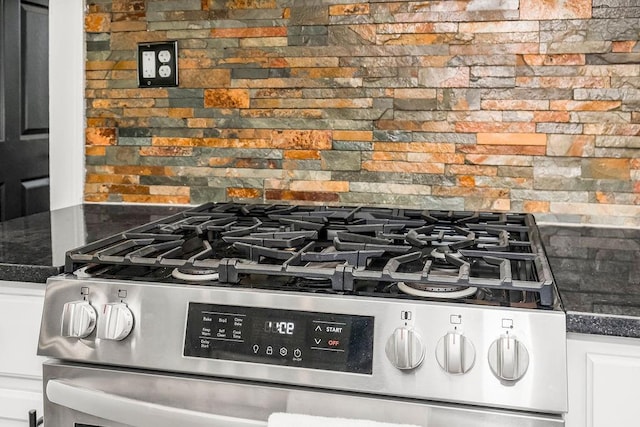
point(347, 249)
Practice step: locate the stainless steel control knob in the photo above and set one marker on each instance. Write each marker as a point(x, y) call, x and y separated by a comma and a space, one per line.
point(455, 353)
point(115, 322)
point(78, 319)
point(405, 349)
point(508, 358)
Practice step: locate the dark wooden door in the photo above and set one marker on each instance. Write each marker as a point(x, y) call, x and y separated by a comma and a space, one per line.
point(24, 108)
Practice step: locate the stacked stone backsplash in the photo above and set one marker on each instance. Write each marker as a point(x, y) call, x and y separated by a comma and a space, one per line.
point(509, 105)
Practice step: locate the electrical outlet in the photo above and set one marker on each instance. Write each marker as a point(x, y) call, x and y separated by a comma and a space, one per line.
point(158, 64)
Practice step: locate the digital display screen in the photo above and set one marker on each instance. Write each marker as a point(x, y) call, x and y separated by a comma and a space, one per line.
point(335, 342)
point(279, 327)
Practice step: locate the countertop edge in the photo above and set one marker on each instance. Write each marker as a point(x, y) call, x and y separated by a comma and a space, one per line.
point(27, 273)
point(603, 324)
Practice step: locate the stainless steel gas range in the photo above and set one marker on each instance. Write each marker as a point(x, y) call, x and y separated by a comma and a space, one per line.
point(224, 314)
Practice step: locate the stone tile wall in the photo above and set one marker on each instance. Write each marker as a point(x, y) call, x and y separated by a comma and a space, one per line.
point(521, 105)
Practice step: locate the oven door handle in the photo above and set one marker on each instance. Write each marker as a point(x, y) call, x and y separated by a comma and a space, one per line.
point(136, 413)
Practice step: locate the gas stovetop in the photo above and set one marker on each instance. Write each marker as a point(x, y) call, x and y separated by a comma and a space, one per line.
point(471, 257)
point(457, 307)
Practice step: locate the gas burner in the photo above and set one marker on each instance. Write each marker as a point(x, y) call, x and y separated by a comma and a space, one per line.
point(193, 274)
point(436, 291)
point(441, 252)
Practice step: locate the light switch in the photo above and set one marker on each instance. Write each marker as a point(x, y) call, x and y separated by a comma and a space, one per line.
point(158, 64)
point(148, 65)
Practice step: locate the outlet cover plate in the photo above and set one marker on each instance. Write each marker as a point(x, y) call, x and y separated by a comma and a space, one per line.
point(158, 64)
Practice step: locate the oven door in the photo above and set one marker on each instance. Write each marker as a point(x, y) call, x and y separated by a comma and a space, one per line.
point(90, 396)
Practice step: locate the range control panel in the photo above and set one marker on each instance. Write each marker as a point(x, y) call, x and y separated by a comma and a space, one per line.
point(334, 342)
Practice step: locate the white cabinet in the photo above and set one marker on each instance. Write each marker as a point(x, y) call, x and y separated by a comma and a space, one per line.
point(20, 367)
point(604, 381)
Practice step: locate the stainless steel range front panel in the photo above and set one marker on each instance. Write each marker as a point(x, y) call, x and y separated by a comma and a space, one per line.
point(103, 397)
point(160, 314)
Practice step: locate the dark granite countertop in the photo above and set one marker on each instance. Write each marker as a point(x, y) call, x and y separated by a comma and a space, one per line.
point(32, 248)
point(597, 269)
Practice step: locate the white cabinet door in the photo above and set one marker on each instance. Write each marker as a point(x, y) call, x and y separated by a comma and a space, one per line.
point(604, 381)
point(20, 367)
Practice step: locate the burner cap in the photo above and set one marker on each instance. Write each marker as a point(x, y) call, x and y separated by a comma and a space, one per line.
point(194, 274)
point(440, 253)
point(436, 291)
